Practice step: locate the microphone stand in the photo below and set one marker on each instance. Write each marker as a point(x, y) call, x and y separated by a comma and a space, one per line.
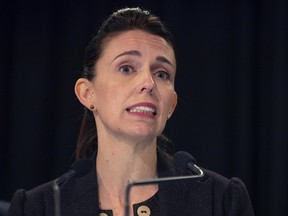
point(56, 193)
point(163, 180)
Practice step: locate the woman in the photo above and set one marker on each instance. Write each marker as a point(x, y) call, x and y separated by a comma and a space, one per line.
point(127, 89)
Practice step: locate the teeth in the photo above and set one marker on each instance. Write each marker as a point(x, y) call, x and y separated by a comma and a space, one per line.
point(142, 109)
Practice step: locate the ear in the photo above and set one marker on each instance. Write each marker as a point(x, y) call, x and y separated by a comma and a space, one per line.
point(173, 105)
point(84, 92)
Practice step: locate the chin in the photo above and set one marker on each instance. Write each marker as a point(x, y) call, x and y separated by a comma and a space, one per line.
point(145, 133)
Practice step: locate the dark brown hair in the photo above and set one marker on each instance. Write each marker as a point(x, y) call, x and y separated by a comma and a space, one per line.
point(122, 20)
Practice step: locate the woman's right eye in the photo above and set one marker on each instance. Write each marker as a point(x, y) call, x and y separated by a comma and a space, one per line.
point(126, 69)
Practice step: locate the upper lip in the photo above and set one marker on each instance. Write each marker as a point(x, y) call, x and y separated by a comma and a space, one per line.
point(144, 104)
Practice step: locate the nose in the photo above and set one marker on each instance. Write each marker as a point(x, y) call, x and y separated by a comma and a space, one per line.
point(147, 83)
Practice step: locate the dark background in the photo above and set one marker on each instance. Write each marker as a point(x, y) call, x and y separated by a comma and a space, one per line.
point(232, 83)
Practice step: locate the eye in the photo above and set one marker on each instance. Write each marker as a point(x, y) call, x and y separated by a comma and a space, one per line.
point(126, 69)
point(162, 74)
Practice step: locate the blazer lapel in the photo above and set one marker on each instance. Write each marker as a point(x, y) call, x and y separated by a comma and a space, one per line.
point(79, 196)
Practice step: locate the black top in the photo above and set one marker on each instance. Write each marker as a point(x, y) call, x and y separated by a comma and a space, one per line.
point(213, 194)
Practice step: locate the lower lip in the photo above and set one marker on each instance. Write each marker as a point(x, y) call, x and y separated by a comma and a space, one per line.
point(148, 115)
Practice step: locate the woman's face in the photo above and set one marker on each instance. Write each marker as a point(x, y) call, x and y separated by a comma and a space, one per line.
point(133, 86)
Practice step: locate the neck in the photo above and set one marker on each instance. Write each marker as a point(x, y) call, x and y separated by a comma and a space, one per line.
point(121, 163)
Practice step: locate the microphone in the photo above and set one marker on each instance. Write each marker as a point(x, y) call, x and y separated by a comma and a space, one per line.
point(182, 160)
point(79, 168)
point(185, 160)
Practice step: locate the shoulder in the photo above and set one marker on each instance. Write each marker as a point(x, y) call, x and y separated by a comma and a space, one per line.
point(76, 189)
point(30, 199)
point(221, 183)
point(225, 196)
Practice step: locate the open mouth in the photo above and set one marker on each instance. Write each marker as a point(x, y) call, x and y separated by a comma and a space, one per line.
point(142, 109)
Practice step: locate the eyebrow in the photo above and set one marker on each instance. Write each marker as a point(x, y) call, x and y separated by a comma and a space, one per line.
point(164, 60)
point(131, 52)
point(137, 53)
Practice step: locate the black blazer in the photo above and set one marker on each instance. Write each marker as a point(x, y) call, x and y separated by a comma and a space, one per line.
point(213, 194)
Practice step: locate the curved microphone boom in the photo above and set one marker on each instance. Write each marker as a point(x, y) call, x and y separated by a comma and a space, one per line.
point(182, 160)
point(79, 168)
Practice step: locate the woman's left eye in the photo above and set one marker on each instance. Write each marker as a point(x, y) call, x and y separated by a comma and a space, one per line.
point(162, 74)
point(126, 69)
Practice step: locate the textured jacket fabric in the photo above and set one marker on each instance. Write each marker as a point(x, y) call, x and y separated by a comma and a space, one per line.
point(210, 195)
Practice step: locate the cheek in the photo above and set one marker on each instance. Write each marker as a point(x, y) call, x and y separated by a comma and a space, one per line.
point(102, 92)
point(167, 103)
point(109, 96)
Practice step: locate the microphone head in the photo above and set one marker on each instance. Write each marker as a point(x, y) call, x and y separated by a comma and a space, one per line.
point(81, 167)
point(182, 159)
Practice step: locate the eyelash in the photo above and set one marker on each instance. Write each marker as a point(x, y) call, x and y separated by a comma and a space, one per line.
point(157, 73)
point(125, 67)
point(166, 74)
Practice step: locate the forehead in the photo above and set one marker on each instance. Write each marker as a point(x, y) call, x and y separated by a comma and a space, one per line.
point(138, 40)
